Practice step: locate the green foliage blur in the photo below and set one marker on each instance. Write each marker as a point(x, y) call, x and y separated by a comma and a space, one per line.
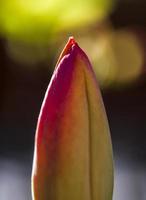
point(39, 21)
point(34, 31)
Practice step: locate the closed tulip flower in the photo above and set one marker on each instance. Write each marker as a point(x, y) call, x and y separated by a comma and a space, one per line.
point(73, 151)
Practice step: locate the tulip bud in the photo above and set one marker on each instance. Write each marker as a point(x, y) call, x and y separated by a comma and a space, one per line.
point(73, 151)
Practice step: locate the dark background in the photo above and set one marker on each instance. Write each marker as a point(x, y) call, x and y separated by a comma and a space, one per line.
point(21, 94)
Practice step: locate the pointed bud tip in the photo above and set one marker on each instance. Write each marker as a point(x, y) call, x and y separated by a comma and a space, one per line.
point(71, 40)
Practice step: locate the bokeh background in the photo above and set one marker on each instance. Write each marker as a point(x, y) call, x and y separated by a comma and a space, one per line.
point(32, 34)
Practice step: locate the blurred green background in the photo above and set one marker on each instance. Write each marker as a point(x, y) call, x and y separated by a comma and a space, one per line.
point(32, 35)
